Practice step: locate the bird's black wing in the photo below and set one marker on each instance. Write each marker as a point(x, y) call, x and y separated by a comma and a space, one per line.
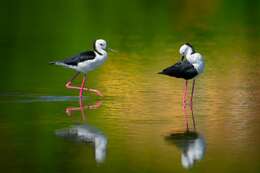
point(83, 56)
point(183, 69)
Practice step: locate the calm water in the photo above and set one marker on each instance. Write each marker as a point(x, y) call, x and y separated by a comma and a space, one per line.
point(139, 125)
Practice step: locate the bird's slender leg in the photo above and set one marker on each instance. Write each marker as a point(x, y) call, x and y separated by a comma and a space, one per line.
point(191, 104)
point(82, 87)
point(69, 83)
point(94, 91)
point(192, 93)
point(185, 94)
point(184, 104)
point(70, 86)
point(193, 118)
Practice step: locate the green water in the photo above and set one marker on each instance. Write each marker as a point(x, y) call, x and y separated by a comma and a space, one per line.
point(141, 114)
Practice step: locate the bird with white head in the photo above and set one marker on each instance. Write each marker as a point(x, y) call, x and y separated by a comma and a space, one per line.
point(190, 67)
point(85, 62)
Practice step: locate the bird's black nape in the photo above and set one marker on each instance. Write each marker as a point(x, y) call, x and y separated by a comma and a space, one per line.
point(188, 44)
point(94, 44)
point(192, 48)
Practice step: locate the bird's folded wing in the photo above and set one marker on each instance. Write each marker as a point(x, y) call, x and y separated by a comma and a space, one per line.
point(84, 56)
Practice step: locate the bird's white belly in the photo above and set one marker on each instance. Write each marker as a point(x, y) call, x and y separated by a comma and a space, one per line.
point(90, 65)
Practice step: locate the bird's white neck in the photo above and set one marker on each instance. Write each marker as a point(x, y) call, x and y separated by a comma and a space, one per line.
point(100, 51)
point(189, 52)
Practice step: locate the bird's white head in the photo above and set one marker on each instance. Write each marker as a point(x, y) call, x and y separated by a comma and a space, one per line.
point(100, 45)
point(186, 49)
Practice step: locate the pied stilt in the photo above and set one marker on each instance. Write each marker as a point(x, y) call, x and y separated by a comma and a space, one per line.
point(190, 67)
point(85, 62)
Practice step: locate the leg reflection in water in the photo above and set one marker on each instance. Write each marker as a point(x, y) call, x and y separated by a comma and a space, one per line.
point(86, 133)
point(187, 117)
point(191, 144)
point(82, 107)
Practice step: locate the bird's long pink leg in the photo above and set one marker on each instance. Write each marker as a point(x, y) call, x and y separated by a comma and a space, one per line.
point(193, 118)
point(185, 94)
point(69, 83)
point(70, 86)
point(82, 87)
point(184, 103)
point(94, 91)
point(191, 104)
point(192, 93)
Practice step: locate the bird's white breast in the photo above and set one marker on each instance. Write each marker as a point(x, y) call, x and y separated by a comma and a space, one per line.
point(197, 61)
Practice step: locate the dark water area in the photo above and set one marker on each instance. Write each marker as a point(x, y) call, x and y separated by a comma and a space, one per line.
point(139, 125)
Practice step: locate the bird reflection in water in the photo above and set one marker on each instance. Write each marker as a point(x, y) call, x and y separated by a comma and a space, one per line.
point(191, 143)
point(86, 133)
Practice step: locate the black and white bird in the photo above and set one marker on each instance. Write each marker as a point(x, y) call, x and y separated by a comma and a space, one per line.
point(189, 67)
point(85, 62)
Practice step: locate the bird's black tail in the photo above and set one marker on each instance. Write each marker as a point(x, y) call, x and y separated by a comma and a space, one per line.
point(161, 72)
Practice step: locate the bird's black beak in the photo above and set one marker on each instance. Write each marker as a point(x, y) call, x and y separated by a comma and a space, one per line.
point(182, 57)
point(113, 50)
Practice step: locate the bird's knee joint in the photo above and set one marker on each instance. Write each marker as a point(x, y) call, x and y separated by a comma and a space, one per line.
point(68, 84)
